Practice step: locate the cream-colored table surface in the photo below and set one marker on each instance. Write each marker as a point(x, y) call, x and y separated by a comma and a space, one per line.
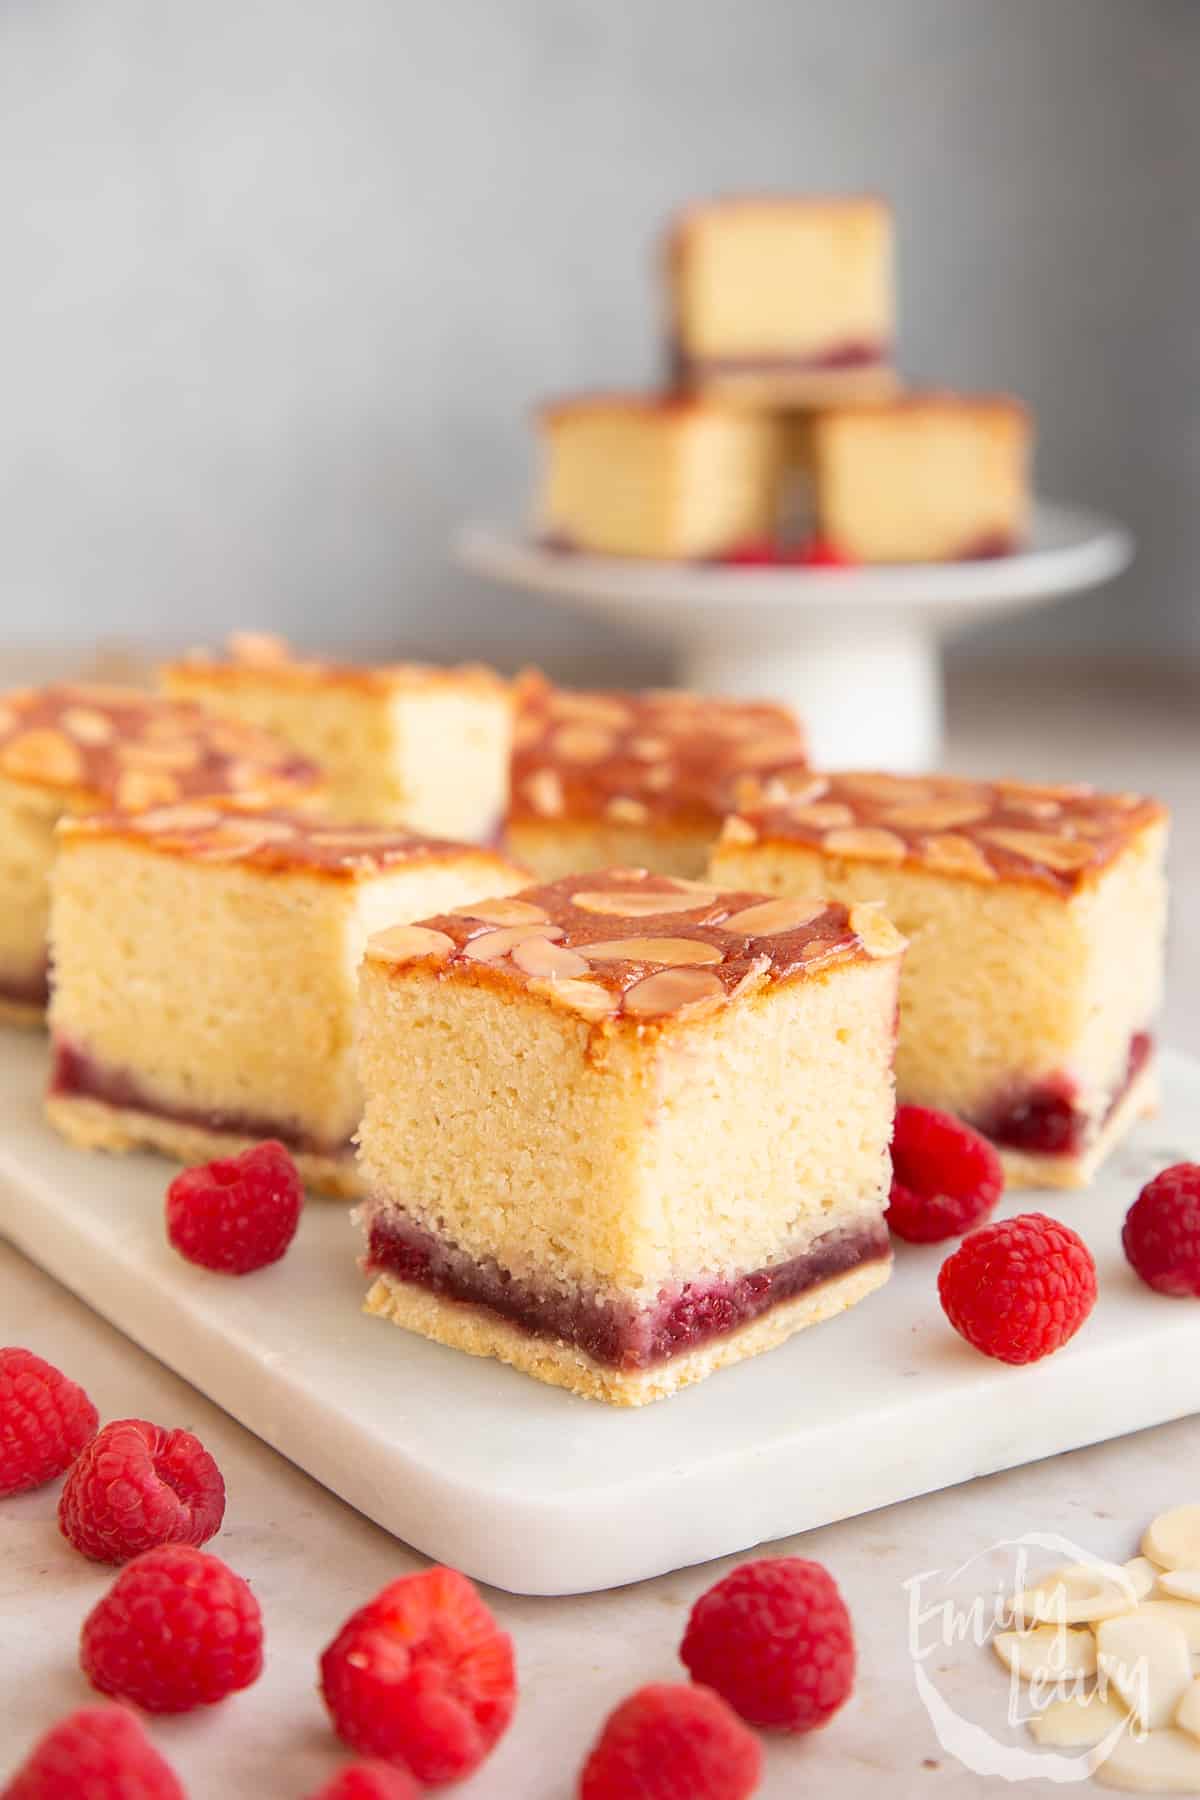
point(311, 1559)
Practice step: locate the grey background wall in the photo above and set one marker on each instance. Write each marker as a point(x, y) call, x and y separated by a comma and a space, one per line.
point(280, 281)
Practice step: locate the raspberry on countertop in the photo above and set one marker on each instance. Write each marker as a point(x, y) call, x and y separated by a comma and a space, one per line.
point(775, 1640)
point(672, 1743)
point(422, 1677)
point(136, 1487)
point(98, 1753)
point(45, 1421)
point(946, 1178)
point(178, 1629)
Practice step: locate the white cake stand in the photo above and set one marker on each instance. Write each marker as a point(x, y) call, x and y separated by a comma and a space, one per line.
point(857, 651)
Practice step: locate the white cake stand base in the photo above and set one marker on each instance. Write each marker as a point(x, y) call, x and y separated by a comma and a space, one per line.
point(856, 651)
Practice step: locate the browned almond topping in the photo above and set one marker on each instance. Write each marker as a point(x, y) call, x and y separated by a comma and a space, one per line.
point(182, 819)
point(950, 854)
point(875, 931)
point(637, 904)
point(623, 810)
point(587, 998)
point(739, 943)
point(138, 788)
point(632, 758)
point(823, 815)
point(508, 912)
point(538, 956)
point(936, 815)
point(544, 792)
point(45, 754)
point(582, 743)
point(755, 977)
point(590, 709)
point(1041, 847)
point(872, 843)
point(1055, 837)
point(87, 726)
point(402, 943)
point(671, 952)
point(673, 991)
point(493, 944)
point(123, 746)
point(737, 830)
point(769, 917)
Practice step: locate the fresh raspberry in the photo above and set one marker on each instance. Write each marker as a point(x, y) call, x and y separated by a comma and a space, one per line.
point(945, 1177)
point(369, 1781)
point(45, 1420)
point(820, 553)
point(756, 553)
point(237, 1214)
point(672, 1743)
point(1161, 1235)
point(775, 1641)
point(422, 1676)
point(98, 1753)
point(177, 1629)
point(137, 1486)
point(1019, 1289)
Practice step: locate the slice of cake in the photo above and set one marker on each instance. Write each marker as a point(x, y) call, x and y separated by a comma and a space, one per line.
point(609, 779)
point(205, 974)
point(628, 1132)
point(655, 476)
point(80, 747)
point(926, 478)
point(1036, 920)
point(401, 743)
point(783, 301)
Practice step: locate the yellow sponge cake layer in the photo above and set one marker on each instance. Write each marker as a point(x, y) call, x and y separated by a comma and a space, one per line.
point(401, 743)
point(206, 967)
point(633, 1132)
point(649, 476)
point(1035, 918)
point(785, 300)
point(927, 478)
point(604, 779)
point(77, 747)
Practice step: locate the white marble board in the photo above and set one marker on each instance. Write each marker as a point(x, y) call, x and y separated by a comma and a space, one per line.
point(540, 1493)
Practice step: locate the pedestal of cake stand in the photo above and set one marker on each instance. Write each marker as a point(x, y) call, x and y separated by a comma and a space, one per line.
point(857, 651)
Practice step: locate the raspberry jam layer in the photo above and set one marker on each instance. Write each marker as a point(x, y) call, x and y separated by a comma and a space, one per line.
point(76, 1075)
point(26, 990)
point(851, 353)
point(611, 1333)
point(1047, 1119)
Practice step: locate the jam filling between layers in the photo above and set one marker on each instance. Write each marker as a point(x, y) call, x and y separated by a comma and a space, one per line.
point(616, 1334)
point(32, 989)
point(1047, 1119)
point(851, 353)
point(76, 1075)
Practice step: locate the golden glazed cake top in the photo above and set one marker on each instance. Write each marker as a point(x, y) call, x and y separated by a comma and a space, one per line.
point(113, 746)
point(274, 840)
point(638, 759)
point(624, 944)
point(1054, 837)
point(257, 657)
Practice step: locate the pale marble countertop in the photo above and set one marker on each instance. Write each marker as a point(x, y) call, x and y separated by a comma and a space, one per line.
point(311, 1559)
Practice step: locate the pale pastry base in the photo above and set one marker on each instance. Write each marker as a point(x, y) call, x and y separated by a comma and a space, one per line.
point(91, 1125)
point(23, 1013)
point(1026, 1168)
point(481, 1333)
